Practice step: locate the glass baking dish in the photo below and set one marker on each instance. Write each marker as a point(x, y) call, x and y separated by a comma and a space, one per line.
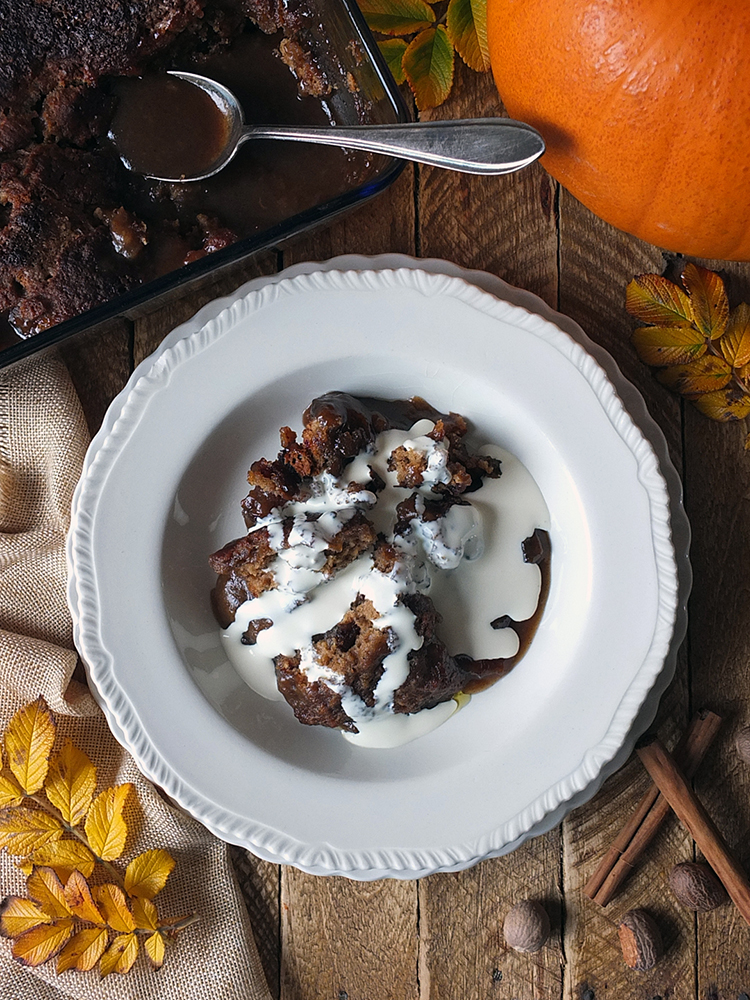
point(295, 186)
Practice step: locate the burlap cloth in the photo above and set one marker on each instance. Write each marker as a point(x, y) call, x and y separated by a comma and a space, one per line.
point(43, 438)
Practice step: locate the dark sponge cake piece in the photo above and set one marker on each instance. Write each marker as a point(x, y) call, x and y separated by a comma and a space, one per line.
point(44, 43)
point(244, 565)
point(466, 469)
point(355, 650)
point(434, 675)
point(272, 485)
point(336, 428)
point(243, 570)
point(59, 254)
point(56, 259)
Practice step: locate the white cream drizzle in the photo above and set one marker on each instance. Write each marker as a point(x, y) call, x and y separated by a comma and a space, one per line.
point(477, 548)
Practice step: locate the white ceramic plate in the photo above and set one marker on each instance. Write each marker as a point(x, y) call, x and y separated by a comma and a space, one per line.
point(161, 489)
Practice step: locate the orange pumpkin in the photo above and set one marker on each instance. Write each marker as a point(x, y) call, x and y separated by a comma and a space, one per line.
point(645, 109)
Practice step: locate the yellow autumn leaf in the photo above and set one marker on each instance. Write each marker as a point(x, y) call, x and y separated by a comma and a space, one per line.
point(45, 887)
point(18, 914)
point(23, 829)
point(81, 902)
point(11, 794)
point(396, 17)
point(709, 299)
point(28, 742)
point(704, 375)
point(83, 950)
point(145, 914)
point(105, 826)
point(428, 64)
point(65, 857)
point(668, 345)
point(114, 907)
point(147, 874)
point(120, 955)
point(735, 344)
point(154, 948)
point(659, 302)
point(466, 23)
point(42, 943)
point(393, 51)
point(724, 404)
point(70, 783)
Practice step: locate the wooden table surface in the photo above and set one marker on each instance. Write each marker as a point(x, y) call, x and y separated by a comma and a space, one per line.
point(440, 938)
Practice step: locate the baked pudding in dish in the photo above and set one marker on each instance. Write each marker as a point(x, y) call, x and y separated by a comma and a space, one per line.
point(77, 228)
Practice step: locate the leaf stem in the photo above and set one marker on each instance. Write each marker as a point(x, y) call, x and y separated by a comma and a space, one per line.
point(49, 808)
point(738, 383)
point(181, 924)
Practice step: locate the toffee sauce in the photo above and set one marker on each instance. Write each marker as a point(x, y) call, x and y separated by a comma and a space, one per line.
point(167, 127)
point(538, 550)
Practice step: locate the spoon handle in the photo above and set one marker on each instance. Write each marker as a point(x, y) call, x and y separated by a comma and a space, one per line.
point(472, 145)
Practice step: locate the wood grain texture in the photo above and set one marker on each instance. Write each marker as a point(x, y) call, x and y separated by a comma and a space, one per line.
point(462, 948)
point(505, 225)
point(99, 362)
point(260, 883)
point(717, 494)
point(385, 224)
point(344, 940)
point(596, 264)
point(691, 812)
point(153, 324)
point(594, 959)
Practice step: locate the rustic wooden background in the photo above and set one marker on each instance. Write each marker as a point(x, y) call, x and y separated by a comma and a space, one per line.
point(440, 938)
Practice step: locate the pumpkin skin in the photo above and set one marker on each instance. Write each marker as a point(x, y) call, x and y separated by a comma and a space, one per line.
point(644, 106)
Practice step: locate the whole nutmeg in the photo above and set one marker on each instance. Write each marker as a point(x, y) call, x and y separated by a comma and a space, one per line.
point(696, 887)
point(526, 927)
point(640, 940)
point(742, 742)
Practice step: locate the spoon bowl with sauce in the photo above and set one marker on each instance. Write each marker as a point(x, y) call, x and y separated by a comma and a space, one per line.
point(187, 127)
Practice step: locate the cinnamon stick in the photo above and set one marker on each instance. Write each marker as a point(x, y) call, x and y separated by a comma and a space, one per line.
point(673, 785)
point(650, 813)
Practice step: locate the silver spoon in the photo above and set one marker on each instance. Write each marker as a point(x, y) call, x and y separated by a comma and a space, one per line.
point(472, 146)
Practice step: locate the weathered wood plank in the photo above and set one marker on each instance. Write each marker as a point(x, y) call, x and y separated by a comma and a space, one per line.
point(717, 488)
point(594, 960)
point(596, 264)
point(385, 224)
point(345, 940)
point(260, 884)
point(462, 948)
point(505, 225)
point(100, 363)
